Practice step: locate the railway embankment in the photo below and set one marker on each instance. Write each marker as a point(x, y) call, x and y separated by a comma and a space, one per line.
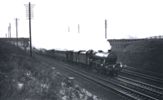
point(144, 54)
point(25, 78)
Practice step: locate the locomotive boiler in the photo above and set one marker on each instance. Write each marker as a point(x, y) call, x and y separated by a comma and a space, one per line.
point(102, 62)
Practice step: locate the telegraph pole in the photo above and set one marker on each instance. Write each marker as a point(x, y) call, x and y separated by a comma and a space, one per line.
point(105, 29)
point(78, 28)
point(9, 30)
point(29, 8)
point(68, 28)
point(29, 16)
point(16, 24)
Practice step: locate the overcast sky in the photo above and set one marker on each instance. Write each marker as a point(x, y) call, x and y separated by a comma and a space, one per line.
point(126, 19)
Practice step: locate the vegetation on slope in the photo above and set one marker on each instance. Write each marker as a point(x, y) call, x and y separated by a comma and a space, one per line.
point(25, 78)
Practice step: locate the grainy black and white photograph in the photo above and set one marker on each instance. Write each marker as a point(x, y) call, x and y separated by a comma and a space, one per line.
point(81, 49)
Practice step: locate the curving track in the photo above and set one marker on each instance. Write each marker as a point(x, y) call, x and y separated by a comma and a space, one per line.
point(126, 87)
point(129, 88)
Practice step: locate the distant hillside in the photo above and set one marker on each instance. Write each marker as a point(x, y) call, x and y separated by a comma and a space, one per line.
point(141, 53)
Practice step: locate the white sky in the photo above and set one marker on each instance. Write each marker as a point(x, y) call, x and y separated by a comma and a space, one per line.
point(126, 19)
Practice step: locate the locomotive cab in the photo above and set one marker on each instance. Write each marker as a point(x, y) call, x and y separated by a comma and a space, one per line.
point(106, 58)
point(100, 58)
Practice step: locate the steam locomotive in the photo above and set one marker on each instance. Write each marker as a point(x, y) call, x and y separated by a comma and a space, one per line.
point(102, 62)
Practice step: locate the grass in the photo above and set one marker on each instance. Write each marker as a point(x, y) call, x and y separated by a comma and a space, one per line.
point(26, 78)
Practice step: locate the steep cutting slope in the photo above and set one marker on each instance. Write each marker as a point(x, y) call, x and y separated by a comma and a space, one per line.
point(143, 54)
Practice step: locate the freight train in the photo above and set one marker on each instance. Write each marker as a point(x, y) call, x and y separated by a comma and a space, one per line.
point(102, 62)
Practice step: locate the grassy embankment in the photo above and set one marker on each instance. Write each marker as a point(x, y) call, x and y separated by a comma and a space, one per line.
point(25, 78)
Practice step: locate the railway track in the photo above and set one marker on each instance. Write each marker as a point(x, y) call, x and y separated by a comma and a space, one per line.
point(143, 77)
point(151, 92)
point(147, 72)
point(121, 85)
point(144, 88)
